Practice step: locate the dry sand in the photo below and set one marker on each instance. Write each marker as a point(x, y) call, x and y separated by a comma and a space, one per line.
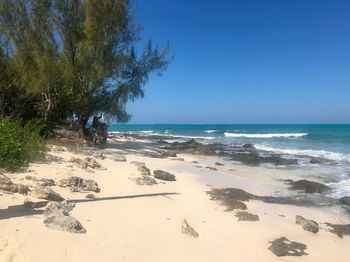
point(130, 222)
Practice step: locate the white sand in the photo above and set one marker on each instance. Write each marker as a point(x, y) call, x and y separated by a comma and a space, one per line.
point(137, 227)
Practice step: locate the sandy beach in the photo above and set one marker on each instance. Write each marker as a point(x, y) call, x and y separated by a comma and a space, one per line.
point(127, 221)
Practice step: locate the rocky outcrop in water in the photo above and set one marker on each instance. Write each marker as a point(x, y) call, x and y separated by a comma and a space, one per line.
point(57, 217)
point(308, 225)
point(284, 247)
point(308, 186)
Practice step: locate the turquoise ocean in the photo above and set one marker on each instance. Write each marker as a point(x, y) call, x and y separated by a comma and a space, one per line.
point(326, 141)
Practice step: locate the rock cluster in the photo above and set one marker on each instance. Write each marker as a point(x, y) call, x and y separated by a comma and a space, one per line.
point(119, 158)
point(339, 230)
point(78, 184)
point(57, 217)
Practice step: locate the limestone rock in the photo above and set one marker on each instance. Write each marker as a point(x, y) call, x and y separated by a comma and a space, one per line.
point(57, 217)
point(7, 185)
point(145, 180)
point(284, 247)
point(339, 229)
point(78, 184)
point(188, 230)
point(163, 175)
point(219, 164)
point(345, 200)
point(119, 158)
point(144, 171)
point(308, 225)
point(47, 193)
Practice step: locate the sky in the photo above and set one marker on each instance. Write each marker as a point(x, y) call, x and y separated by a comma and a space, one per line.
point(247, 61)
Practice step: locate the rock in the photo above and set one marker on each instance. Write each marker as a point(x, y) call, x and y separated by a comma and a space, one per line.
point(284, 247)
point(28, 203)
point(57, 217)
point(308, 225)
point(245, 216)
point(163, 175)
point(47, 193)
point(230, 193)
point(144, 171)
point(7, 185)
point(309, 186)
point(248, 146)
point(119, 158)
point(92, 163)
point(219, 164)
point(195, 162)
point(145, 180)
point(188, 230)
point(98, 155)
point(90, 196)
point(178, 159)
point(168, 154)
point(339, 230)
point(345, 201)
point(78, 182)
point(211, 168)
point(46, 182)
point(232, 204)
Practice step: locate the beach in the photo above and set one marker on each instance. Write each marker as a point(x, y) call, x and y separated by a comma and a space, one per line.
point(134, 219)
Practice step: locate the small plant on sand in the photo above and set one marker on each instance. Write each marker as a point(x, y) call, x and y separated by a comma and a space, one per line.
point(19, 144)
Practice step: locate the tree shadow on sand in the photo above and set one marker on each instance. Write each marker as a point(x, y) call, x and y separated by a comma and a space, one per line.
point(23, 210)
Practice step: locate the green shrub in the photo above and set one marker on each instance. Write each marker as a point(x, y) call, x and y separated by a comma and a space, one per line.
point(20, 144)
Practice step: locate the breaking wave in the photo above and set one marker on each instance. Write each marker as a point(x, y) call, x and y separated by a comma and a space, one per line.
point(281, 135)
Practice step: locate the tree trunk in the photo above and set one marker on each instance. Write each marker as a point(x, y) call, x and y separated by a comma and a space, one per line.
point(82, 121)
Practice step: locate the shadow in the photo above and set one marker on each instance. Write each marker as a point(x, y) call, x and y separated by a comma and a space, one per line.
point(22, 210)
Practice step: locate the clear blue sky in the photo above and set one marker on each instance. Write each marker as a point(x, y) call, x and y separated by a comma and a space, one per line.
point(248, 61)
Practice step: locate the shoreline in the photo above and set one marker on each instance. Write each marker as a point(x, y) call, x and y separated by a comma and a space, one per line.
point(130, 222)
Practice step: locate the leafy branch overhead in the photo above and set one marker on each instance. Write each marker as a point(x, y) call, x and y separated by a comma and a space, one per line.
point(72, 57)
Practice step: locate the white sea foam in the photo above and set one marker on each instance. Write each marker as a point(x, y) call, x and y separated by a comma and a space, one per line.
point(307, 152)
point(281, 135)
point(210, 131)
point(195, 137)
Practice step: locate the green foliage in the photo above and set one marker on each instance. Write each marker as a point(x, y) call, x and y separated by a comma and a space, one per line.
point(20, 144)
point(73, 57)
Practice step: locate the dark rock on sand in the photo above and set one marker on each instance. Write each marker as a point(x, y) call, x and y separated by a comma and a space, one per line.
point(145, 180)
point(47, 193)
point(245, 216)
point(92, 163)
point(339, 230)
point(308, 225)
point(232, 195)
point(57, 217)
point(284, 247)
point(163, 175)
point(345, 201)
point(219, 164)
point(232, 204)
point(79, 184)
point(7, 185)
point(308, 186)
point(188, 230)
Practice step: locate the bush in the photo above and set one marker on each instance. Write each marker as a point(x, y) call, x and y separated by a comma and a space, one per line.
point(20, 144)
